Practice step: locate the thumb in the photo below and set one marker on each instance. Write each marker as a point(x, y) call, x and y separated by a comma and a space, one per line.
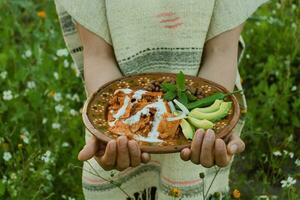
point(235, 145)
point(89, 150)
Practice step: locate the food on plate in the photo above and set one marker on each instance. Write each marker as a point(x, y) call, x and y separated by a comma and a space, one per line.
point(142, 115)
point(159, 113)
point(212, 116)
point(187, 129)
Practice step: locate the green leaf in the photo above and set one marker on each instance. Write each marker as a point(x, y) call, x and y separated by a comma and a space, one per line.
point(2, 188)
point(182, 98)
point(180, 81)
point(168, 87)
point(170, 95)
point(190, 96)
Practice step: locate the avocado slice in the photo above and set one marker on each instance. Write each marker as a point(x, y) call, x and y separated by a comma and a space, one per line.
point(213, 116)
point(205, 124)
point(214, 107)
point(187, 130)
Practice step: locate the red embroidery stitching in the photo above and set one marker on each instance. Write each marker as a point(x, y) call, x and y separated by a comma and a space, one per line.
point(169, 20)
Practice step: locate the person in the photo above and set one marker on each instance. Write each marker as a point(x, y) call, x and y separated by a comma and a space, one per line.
point(110, 39)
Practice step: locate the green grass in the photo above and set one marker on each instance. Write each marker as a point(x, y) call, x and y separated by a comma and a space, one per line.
point(42, 157)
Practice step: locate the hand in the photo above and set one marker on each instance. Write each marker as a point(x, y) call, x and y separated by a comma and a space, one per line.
point(208, 151)
point(116, 154)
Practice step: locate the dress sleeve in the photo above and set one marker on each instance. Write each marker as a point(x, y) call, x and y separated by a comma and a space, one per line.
point(229, 14)
point(90, 14)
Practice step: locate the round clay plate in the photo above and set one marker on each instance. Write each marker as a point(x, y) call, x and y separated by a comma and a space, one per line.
point(95, 109)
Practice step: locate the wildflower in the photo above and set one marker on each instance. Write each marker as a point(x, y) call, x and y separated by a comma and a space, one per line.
point(3, 75)
point(65, 144)
point(294, 88)
point(73, 112)
point(7, 156)
point(75, 97)
point(56, 76)
point(236, 194)
point(31, 84)
point(13, 176)
point(25, 135)
point(76, 69)
point(277, 153)
point(44, 121)
point(62, 52)
point(56, 125)
point(57, 97)
point(291, 154)
point(59, 108)
point(263, 197)
point(288, 183)
point(297, 162)
point(7, 95)
point(27, 54)
point(46, 157)
point(175, 192)
point(66, 63)
point(41, 14)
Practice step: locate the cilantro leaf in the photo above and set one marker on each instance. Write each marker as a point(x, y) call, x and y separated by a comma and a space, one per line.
point(180, 82)
point(168, 87)
point(170, 95)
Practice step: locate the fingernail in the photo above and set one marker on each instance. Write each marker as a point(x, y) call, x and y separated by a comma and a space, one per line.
point(233, 148)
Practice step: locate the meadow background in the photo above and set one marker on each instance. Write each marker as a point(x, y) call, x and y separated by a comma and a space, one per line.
point(41, 94)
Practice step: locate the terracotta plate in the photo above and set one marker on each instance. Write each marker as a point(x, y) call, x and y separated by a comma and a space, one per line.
point(95, 109)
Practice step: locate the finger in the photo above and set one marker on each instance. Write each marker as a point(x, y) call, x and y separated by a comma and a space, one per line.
point(145, 157)
point(123, 160)
point(185, 154)
point(235, 145)
point(108, 160)
point(207, 150)
point(89, 150)
point(196, 146)
point(221, 157)
point(135, 153)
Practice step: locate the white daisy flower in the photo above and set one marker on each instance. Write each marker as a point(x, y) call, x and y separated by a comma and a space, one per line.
point(75, 97)
point(288, 182)
point(277, 153)
point(297, 162)
point(73, 112)
point(56, 125)
point(7, 156)
point(27, 53)
point(3, 75)
point(31, 84)
point(291, 154)
point(65, 144)
point(59, 108)
point(62, 52)
point(294, 88)
point(57, 96)
point(7, 95)
point(46, 157)
point(66, 63)
point(56, 76)
point(44, 120)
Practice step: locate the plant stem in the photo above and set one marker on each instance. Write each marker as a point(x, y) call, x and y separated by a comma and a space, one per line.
point(217, 172)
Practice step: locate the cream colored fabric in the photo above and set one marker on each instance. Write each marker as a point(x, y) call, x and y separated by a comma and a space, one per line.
point(154, 36)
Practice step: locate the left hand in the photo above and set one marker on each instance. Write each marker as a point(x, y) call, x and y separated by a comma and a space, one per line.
point(209, 151)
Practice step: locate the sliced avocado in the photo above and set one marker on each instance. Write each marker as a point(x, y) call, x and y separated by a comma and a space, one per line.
point(187, 130)
point(205, 124)
point(213, 116)
point(214, 107)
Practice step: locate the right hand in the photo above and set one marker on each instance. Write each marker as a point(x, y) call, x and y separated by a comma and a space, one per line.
point(117, 154)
